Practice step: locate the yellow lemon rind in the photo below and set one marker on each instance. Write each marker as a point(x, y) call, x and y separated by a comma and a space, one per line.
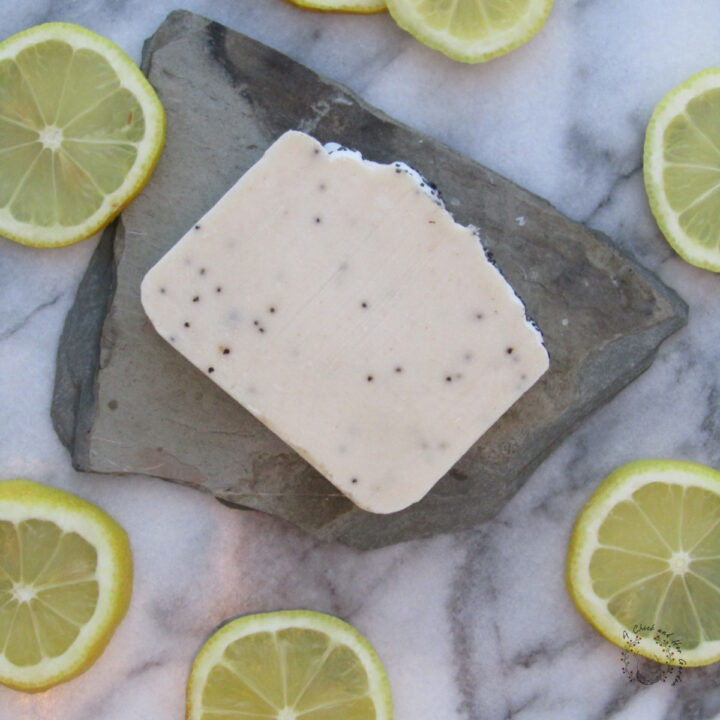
point(357, 7)
point(502, 42)
point(618, 486)
point(653, 163)
point(25, 499)
point(149, 148)
point(212, 651)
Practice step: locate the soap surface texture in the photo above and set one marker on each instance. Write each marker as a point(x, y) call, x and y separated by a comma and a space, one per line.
point(339, 302)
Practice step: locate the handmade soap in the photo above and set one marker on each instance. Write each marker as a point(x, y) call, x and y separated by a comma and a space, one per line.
point(338, 301)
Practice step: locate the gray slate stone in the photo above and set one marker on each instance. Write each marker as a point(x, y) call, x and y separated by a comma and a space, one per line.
point(138, 407)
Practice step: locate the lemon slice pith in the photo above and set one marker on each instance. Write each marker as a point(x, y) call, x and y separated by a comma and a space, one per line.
point(644, 557)
point(286, 665)
point(81, 130)
point(351, 6)
point(65, 584)
point(471, 30)
point(681, 168)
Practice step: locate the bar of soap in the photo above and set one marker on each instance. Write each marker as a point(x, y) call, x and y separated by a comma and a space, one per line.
point(339, 302)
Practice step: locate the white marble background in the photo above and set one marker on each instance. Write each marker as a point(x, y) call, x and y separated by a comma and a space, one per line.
point(476, 625)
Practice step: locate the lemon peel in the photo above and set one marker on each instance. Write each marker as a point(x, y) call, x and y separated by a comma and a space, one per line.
point(471, 31)
point(644, 558)
point(681, 168)
point(81, 130)
point(285, 665)
point(363, 7)
point(65, 584)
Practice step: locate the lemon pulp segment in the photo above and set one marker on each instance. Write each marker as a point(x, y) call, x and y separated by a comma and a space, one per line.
point(48, 589)
point(65, 580)
point(80, 132)
point(287, 665)
point(682, 168)
point(645, 558)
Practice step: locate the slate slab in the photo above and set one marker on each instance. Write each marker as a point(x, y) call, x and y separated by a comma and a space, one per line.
point(126, 402)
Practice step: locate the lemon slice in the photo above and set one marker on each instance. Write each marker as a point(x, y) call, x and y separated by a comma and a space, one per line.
point(65, 583)
point(287, 665)
point(644, 558)
point(354, 6)
point(471, 30)
point(81, 130)
point(682, 168)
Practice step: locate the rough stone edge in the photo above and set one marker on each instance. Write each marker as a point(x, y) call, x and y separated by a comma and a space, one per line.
point(78, 354)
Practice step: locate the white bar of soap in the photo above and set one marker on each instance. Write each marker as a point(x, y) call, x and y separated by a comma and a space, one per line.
point(337, 301)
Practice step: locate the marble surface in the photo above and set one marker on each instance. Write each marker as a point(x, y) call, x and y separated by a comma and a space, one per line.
point(473, 625)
